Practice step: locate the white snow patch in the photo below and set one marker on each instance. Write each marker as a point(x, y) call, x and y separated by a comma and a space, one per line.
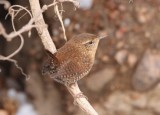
point(67, 21)
point(85, 4)
point(25, 108)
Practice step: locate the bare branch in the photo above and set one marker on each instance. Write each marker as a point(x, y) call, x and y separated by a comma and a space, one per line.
point(43, 32)
point(5, 3)
point(16, 64)
point(12, 35)
point(76, 4)
point(81, 102)
point(60, 19)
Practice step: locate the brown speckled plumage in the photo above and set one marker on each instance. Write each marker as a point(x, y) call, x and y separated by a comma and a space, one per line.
point(74, 60)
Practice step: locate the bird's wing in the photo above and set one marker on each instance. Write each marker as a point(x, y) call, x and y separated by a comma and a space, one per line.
point(53, 57)
point(68, 69)
point(51, 65)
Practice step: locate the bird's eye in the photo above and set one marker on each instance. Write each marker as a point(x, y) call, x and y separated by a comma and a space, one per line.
point(90, 42)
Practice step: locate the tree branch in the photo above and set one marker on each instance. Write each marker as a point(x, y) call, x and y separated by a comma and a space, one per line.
point(43, 32)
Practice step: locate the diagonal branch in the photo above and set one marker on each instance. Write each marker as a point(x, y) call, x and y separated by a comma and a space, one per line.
point(43, 32)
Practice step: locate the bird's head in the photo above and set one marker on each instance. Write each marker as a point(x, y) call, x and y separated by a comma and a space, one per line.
point(86, 41)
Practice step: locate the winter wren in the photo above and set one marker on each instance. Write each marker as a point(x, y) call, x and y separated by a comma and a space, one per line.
point(74, 60)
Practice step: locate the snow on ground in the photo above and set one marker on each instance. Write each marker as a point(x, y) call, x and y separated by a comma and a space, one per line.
point(25, 108)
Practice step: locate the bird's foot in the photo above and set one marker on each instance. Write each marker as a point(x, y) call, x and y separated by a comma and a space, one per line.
point(79, 95)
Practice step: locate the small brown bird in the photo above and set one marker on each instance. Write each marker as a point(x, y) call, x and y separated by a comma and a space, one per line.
point(74, 60)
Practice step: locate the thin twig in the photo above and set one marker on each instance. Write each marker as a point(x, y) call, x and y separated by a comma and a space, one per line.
point(12, 35)
point(9, 37)
point(60, 19)
point(5, 3)
point(16, 64)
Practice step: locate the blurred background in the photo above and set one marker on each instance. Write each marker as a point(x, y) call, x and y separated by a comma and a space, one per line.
point(124, 79)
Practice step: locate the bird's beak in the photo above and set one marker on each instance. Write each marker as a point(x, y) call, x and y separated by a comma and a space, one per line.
point(102, 36)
